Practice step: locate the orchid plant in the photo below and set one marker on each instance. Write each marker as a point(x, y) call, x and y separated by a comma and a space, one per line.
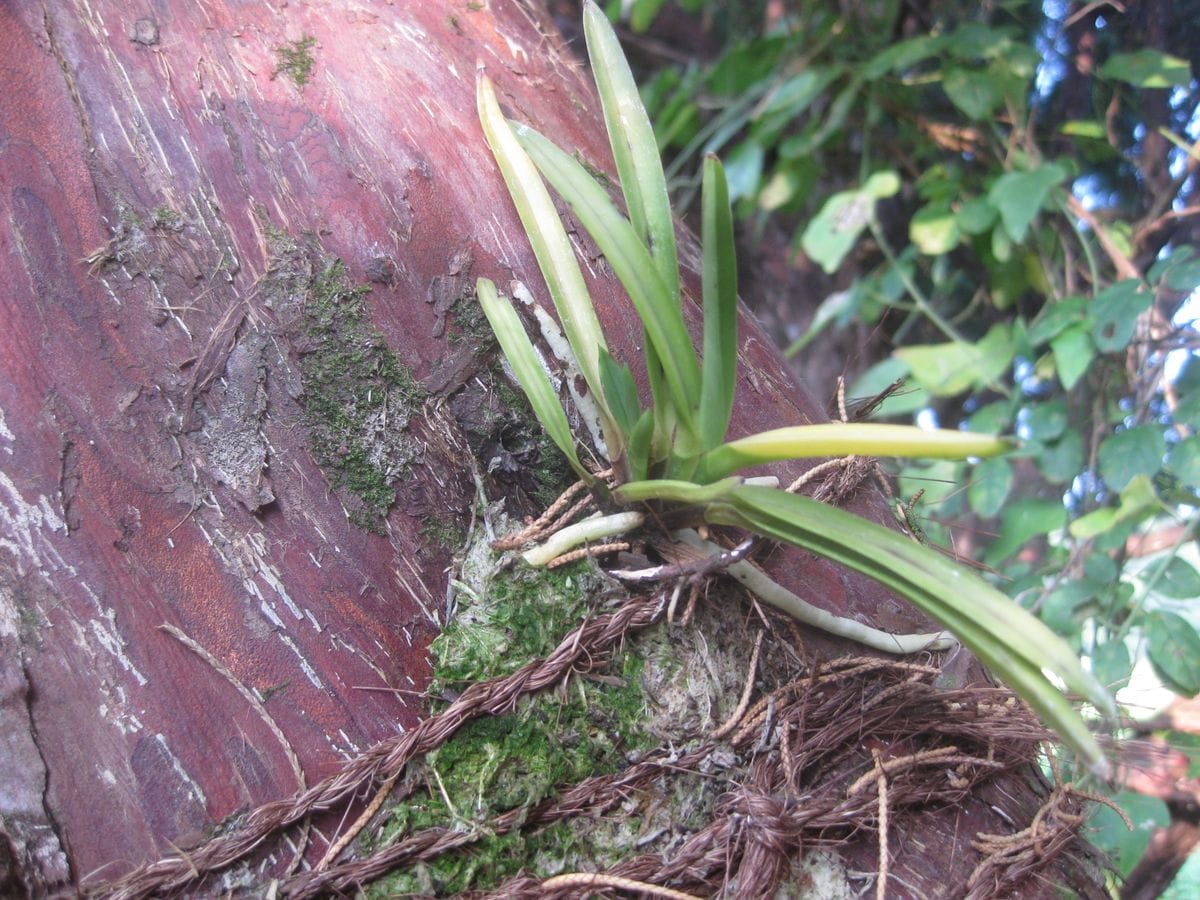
point(673, 456)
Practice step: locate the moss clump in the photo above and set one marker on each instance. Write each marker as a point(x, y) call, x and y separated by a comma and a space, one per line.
point(166, 218)
point(499, 763)
point(358, 398)
point(296, 60)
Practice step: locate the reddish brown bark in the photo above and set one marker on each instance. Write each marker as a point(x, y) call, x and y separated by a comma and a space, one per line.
point(160, 142)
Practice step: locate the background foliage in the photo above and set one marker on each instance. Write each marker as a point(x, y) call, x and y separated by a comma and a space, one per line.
point(994, 206)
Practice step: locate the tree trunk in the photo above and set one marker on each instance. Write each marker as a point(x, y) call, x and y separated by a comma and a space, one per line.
point(181, 446)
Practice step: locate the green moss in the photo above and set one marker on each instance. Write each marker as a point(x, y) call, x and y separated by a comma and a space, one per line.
point(553, 739)
point(167, 219)
point(296, 60)
point(358, 398)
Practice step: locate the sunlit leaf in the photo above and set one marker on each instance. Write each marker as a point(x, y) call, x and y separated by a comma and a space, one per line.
point(613, 234)
point(934, 230)
point(631, 137)
point(1019, 195)
point(846, 439)
point(547, 237)
point(951, 368)
point(1147, 68)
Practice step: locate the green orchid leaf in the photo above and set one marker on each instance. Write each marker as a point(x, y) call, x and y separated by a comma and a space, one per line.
point(614, 235)
point(719, 276)
point(846, 439)
point(620, 391)
point(1018, 648)
point(634, 148)
point(551, 246)
point(637, 453)
point(531, 374)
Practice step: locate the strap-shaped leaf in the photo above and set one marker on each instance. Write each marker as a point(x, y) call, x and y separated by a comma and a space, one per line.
point(1018, 648)
point(620, 391)
point(551, 246)
point(846, 439)
point(615, 237)
point(718, 374)
point(634, 148)
point(527, 366)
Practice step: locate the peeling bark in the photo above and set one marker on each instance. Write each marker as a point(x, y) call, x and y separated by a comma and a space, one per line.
point(174, 191)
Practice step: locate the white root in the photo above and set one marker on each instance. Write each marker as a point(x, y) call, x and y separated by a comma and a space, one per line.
point(770, 591)
point(593, 529)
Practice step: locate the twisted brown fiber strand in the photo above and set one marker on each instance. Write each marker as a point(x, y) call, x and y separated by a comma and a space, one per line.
point(760, 826)
point(591, 796)
point(583, 649)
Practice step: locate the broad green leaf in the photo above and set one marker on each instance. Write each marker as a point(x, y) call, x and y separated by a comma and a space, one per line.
point(1056, 317)
point(1174, 649)
point(528, 368)
point(1061, 461)
point(1184, 461)
point(1047, 421)
point(934, 230)
point(718, 375)
point(743, 170)
point(643, 13)
point(1180, 271)
point(1086, 128)
point(1022, 520)
point(1017, 647)
point(954, 367)
point(1134, 451)
point(1136, 501)
point(1073, 353)
point(991, 418)
point(1109, 831)
point(978, 41)
point(835, 229)
point(1114, 314)
point(1019, 195)
point(881, 185)
point(1179, 580)
point(635, 151)
point(990, 484)
point(976, 216)
point(1058, 610)
point(549, 241)
point(976, 93)
point(1147, 68)
point(848, 439)
point(1111, 664)
point(747, 64)
point(620, 392)
point(903, 55)
point(630, 260)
